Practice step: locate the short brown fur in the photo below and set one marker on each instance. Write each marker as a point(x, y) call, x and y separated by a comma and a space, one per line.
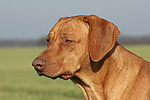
point(84, 49)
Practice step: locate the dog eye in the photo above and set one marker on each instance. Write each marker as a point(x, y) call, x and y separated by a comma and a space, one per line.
point(47, 39)
point(67, 41)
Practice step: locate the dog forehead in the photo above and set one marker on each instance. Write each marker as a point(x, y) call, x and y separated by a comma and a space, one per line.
point(58, 26)
point(71, 26)
point(68, 25)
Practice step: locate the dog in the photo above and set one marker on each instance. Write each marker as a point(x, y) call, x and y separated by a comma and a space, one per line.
point(84, 49)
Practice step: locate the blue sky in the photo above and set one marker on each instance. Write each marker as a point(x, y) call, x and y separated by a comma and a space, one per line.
point(22, 19)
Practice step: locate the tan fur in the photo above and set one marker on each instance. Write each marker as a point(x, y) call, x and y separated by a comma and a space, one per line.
point(84, 49)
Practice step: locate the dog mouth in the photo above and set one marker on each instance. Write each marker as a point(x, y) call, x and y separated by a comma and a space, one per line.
point(39, 73)
point(64, 76)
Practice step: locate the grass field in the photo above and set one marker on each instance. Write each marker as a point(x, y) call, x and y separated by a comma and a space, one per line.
point(19, 81)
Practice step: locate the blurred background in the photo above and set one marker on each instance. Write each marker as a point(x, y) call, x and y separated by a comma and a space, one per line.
point(24, 25)
point(26, 21)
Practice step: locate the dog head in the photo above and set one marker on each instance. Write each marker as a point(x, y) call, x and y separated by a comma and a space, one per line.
point(71, 42)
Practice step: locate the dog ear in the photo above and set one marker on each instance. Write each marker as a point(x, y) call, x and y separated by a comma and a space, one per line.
point(102, 36)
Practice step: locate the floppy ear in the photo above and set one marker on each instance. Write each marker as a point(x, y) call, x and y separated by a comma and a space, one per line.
point(102, 36)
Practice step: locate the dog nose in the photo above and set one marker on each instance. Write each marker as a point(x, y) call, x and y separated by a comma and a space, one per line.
point(38, 64)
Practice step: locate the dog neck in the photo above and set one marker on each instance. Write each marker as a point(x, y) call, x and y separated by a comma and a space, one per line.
point(104, 79)
point(91, 86)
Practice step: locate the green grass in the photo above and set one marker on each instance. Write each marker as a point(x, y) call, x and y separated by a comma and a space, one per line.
point(19, 81)
point(140, 50)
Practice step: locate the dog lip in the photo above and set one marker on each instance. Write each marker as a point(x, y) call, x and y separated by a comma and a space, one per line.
point(49, 76)
point(66, 76)
point(39, 73)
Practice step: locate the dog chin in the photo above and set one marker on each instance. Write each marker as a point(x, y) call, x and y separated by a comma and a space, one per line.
point(65, 76)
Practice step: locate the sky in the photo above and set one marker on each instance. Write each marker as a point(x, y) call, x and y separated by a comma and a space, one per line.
point(33, 19)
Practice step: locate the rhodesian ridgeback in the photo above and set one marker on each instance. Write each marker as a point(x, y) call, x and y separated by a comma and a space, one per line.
point(84, 49)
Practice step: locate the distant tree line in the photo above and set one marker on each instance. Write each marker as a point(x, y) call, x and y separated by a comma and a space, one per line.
point(25, 42)
point(134, 39)
point(42, 41)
